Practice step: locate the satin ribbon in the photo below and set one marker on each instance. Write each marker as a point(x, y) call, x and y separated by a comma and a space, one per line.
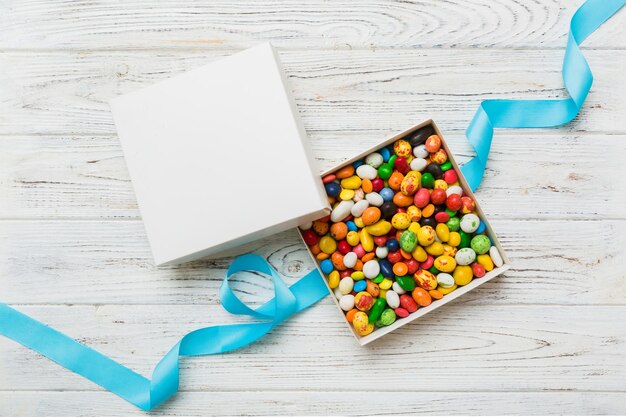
point(577, 77)
point(149, 393)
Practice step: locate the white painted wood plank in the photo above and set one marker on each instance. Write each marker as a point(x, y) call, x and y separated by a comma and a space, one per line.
point(471, 348)
point(554, 262)
point(295, 24)
point(336, 91)
point(85, 177)
point(291, 403)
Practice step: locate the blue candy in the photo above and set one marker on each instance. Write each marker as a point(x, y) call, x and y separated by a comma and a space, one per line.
point(332, 189)
point(351, 226)
point(386, 268)
point(357, 164)
point(386, 193)
point(481, 228)
point(385, 153)
point(393, 244)
point(327, 266)
point(360, 286)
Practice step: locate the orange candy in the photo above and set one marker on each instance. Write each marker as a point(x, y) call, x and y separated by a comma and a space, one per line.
point(372, 288)
point(400, 269)
point(337, 260)
point(339, 231)
point(320, 227)
point(368, 257)
point(436, 294)
point(370, 216)
point(315, 249)
point(345, 172)
point(421, 297)
point(402, 200)
point(350, 315)
point(366, 186)
point(321, 256)
point(428, 210)
point(395, 180)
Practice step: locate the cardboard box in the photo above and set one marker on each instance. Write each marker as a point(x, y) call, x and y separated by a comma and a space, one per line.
point(379, 332)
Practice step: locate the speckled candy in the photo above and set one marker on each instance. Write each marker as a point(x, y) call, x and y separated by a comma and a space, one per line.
point(480, 244)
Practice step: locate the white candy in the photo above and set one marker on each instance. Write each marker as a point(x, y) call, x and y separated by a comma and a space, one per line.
point(445, 280)
point(374, 199)
point(374, 160)
point(345, 285)
point(307, 226)
point(367, 171)
point(341, 211)
point(397, 288)
point(371, 269)
point(469, 223)
point(420, 152)
point(418, 164)
point(465, 256)
point(350, 259)
point(359, 207)
point(381, 252)
point(346, 302)
point(393, 299)
point(496, 257)
point(337, 293)
point(454, 189)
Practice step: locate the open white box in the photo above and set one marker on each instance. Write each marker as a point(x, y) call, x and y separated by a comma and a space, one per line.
point(379, 332)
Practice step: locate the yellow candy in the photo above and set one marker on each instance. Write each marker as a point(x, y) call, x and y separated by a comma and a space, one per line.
point(426, 235)
point(449, 250)
point(359, 222)
point(368, 329)
point(463, 275)
point(414, 227)
point(401, 221)
point(441, 184)
point(380, 228)
point(426, 279)
point(357, 275)
point(353, 238)
point(402, 148)
point(367, 241)
point(328, 245)
point(445, 263)
point(419, 254)
point(485, 260)
point(411, 183)
point(346, 194)
point(360, 322)
point(383, 294)
point(454, 239)
point(415, 214)
point(435, 249)
point(385, 284)
point(351, 183)
point(333, 279)
point(445, 291)
point(443, 233)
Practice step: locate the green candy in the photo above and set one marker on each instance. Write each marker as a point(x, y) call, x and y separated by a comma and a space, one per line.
point(433, 270)
point(386, 318)
point(377, 310)
point(428, 181)
point(392, 159)
point(466, 238)
point(379, 278)
point(407, 283)
point(454, 224)
point(446, 166)
point(384, 171)
point(481, 244)
point(408, 241)
point(450, 213)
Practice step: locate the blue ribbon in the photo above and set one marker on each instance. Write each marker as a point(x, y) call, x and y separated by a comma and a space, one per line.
point(149, 393)
point(577, 77)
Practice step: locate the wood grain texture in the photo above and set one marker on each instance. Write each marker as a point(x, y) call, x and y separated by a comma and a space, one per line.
point(290, 403)
point(546, 338)
point(85, 262)
point(336, 91)
point(371, 24)
point(85, 177)
point(479, 348)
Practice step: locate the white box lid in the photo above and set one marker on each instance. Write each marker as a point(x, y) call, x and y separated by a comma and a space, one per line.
point(218, 157)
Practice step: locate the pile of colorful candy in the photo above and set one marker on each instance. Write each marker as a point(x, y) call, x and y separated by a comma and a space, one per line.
point(401, 234)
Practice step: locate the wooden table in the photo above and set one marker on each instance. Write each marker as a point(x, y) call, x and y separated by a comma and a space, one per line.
point(548, 337)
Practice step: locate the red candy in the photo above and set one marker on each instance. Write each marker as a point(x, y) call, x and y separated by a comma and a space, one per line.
point(438, 196)
point(377, 184)
point(310, 237)
point(478, 270)
point(450, 176)
point(421, 198)
point(358, 249)
point(380, 240)
point(412, 266)
point(408, 303)
point(346, 273)
point(468, 205)
point(454, 202)
point(442, 217)
point(428, 263)
point(401, 312)
point(344, 247)
point(394, 257)
point(401, 165)
point(329, 178)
